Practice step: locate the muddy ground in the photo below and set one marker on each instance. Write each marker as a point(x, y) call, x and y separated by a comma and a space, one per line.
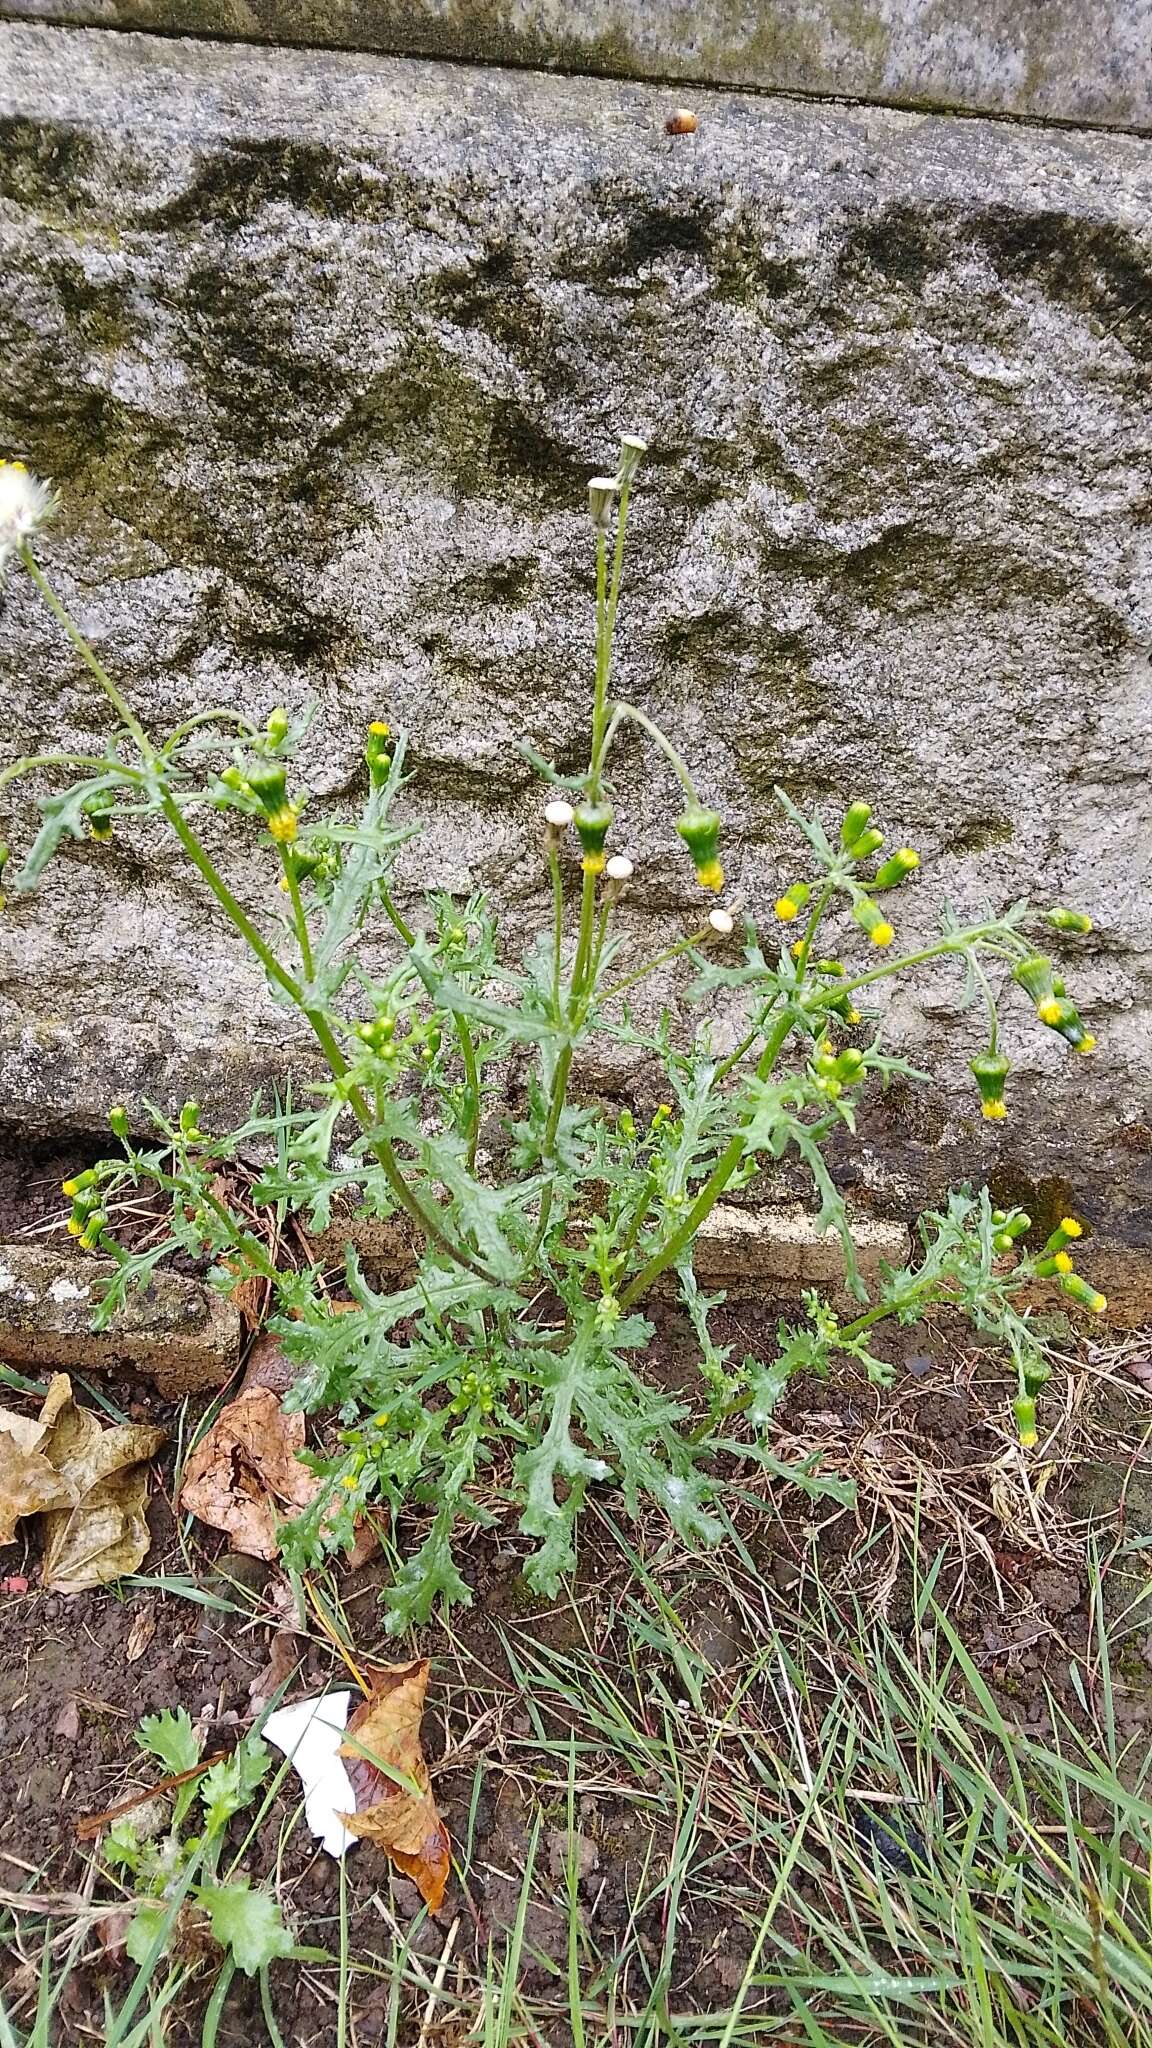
point(928, 1456)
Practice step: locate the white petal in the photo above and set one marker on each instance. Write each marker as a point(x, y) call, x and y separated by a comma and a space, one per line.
point(310, 1733)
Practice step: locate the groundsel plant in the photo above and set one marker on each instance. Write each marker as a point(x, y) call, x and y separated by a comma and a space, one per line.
point(510, 1366)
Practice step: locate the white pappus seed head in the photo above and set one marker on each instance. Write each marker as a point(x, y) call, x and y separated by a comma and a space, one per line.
point(722, 921)
point(558, 814)
point(25, 503)
point(632, 453)
point(619, 868)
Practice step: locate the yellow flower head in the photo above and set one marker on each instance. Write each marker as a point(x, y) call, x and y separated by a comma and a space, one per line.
point(711, 876)
point(882, 934)
point(70, 1188)
point(853, 1017)
point(786, 909)
point(74, 1226)
point(1049, 1011)
point(994, 1111)
point(1071, 1226)
point(1087, 1043)
point(797, 948)
point(283, 824)
point(1062, 1262)
point(594, 863)
point(380, 728)
point(1029, 1438)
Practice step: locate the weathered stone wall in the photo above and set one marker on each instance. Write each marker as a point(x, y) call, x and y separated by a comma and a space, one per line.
point(1065, 60)
point(321, 350)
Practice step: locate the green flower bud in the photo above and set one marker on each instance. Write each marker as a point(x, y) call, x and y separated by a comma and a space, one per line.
point(234, 780)
point(4, 855)
point(1049, 1268)
point(700, 831)
point(1024, 1411)
point(896, 869)
point(990, 1070)
point(98, 811)
point(1037, 1373)
point(1035, 976)
point(1062, 1016)
point(190, 1122)
point(277, 726)
point(1009, 1228)
point(378, 753)
point(866, 844)
point(873, 921)
point(268, 782)
point(855, 819)
point(789, 906)
point(593, 824)
point(1079, 1290)
point(1063, 920)
point(849, 1064)
point(1066, 1232)
point(118, 1119)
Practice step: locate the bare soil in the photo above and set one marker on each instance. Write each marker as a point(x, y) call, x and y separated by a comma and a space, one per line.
point(75, 1681)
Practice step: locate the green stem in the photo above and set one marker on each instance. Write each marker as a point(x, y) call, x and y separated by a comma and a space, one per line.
point(31, 761)
point(191, 725)
point(205, 867)
point(299, 918)
point(91, 661)
point(712, 1189)
point(463, 1034)
point(957, 942)
point(622, 712)
point(322, 1031)
point(657, 960)
point(557, 929)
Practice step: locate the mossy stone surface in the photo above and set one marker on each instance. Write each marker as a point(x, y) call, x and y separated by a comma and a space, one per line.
point(321, 350)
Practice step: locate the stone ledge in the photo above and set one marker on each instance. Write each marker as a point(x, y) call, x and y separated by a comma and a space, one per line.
point(1061, 61)
point(747, 1251)
point(180, 1334)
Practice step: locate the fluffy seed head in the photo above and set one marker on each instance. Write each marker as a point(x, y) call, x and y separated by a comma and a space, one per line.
point(558, 814)
point(25, 503)
point(619, 868)
point(722, 921)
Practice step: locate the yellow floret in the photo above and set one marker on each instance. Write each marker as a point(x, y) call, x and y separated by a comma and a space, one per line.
point(594, 863)
point(1049, 1011)
point(283, 825)
point(786, 910)
point(882, 934)
point(1087, 1043)
point(380, 727)
point(711, 876)
point(1062, 1262)
point(1071, 1227)
point(994, 1111)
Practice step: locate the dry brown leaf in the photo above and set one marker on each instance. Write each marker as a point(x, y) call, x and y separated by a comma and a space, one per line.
point(400, 1818)
point(245, 1468)
point(103, 1533)
point(28, 1482)
point(88, 1482)
point(139, 1636)
point(283, 1657)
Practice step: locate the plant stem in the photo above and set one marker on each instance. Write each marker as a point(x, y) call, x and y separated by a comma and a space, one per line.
point(31, 761)
point(658, 960)
point(713, 1187)
point(87, 655)
point(621, 712)
point(463, 1034)
point(321, 1029)
point(557, 929)
point(957, 942)
point(298, 916)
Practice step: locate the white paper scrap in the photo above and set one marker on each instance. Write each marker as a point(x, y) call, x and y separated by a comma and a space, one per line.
point(310, 1734)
